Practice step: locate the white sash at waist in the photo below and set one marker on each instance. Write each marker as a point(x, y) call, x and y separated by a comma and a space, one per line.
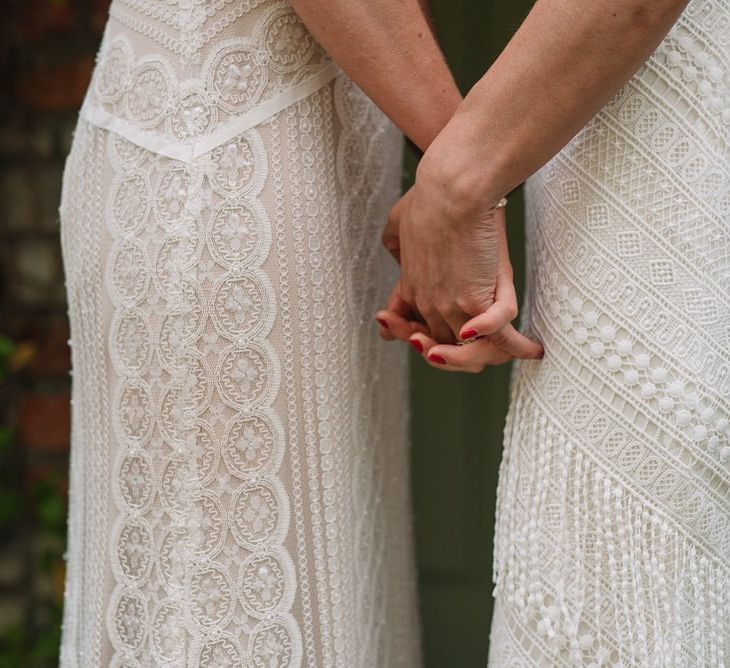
point(189, 151)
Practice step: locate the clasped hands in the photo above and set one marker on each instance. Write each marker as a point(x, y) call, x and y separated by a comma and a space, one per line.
point(456, 280)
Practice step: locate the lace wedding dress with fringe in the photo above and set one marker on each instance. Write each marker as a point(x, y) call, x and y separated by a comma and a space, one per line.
point(239, 460)
point(612, 539)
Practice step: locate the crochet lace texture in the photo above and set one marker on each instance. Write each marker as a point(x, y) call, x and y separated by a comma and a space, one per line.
point(613, 526)
point(239, 471)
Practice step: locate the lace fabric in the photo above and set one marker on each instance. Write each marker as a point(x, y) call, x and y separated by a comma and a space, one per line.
point(613, 527)
point(239, 461)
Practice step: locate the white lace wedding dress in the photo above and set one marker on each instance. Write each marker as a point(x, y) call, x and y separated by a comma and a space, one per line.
point(239, 488)
point(613, 525)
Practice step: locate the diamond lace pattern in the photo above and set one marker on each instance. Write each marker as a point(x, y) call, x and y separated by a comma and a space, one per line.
point(613, 526)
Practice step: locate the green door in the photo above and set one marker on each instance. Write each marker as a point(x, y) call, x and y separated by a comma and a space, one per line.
point(458, 419)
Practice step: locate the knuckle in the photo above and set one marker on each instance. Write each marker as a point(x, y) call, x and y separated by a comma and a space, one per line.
point(425, 308)
point(447, 309)
point(472, 304)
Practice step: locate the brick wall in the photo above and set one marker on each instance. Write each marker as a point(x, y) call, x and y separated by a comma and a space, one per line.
point(47, 50)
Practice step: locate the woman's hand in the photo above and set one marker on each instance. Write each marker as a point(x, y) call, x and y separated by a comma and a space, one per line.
point(498, 340)
point(492, 341)
point(448, 251)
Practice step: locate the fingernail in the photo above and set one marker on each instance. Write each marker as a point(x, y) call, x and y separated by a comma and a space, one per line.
point(383, 323)
point(417, 345)
point(541, 355)
point(469, 333)
point(437, 359)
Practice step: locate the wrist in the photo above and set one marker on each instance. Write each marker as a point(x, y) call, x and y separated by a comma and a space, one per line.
point(457, 165)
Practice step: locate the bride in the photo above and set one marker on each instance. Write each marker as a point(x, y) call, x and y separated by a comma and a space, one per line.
point(239, 487)
point(613, 522)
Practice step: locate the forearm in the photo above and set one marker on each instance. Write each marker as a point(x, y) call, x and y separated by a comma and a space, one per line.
point(388, 49)
point(564, 63)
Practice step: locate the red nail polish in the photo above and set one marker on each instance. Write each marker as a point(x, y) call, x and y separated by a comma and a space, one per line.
point(417, 345)
point(383, 323)
point(468, 333)
point(437, 359)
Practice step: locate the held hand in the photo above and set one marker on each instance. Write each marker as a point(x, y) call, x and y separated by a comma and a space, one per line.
point(498, 340)
point(492, 339)
point(448, 250)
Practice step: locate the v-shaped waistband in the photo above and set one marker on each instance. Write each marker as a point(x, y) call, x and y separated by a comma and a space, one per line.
point(188, 151)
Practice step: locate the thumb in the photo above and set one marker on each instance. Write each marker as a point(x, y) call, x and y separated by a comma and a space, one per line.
point(498, 315)
point(502, 311)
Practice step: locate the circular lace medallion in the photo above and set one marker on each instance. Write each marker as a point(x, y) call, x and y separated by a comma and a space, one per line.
point(192, 117)
point(128, 612)
point(237, 78)
point(252, 444)
point(287, 41)
point(243, 305)
point(239, 234)
point(212, 602)
point(276, 643)
point(133, 417)
point(128, 273)
point(149, 94)
point(168, 634)
point(247, 376)
point(180, 328)
point(135, 481)
point(200, 443)
point(131, 343)
point(133, 549)
point(259, 514)
point(130, 204)
point(175, 556)
point(266, 583)
point(221, 651)
point(239, 165)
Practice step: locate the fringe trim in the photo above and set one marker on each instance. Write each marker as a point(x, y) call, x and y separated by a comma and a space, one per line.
point(596, 576)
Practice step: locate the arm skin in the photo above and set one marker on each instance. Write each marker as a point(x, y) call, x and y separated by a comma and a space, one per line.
point(564, 63)
point(388, 49)
point(562, 66)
